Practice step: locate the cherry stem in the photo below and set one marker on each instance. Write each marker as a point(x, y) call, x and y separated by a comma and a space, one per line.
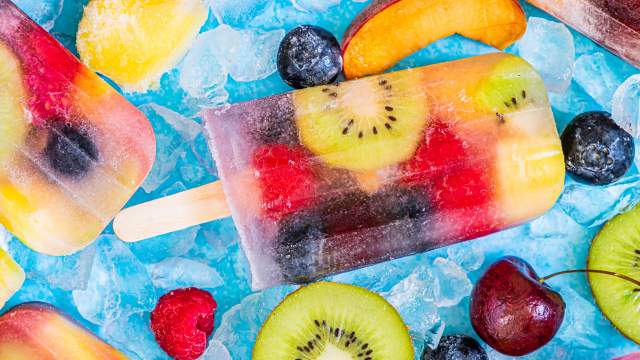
point(618, 275)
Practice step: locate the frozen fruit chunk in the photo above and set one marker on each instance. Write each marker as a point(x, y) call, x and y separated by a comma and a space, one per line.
point(134, 42)
point(11, 277)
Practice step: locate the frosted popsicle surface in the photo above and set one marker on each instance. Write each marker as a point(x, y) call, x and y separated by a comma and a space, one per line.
point(72, 150)
point(38, 331)
point(614, 24)
point(337, 177)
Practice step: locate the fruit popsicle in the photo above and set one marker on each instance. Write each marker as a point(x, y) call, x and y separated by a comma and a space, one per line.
point(72, 150)
point(11, 277)
point(333, 178)
point(614, 24)
point(38, 331)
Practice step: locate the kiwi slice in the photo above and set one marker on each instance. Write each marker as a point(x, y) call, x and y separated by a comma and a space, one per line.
point(512, 86)
point(331, 321)
point(366, 124)
point(617, 249)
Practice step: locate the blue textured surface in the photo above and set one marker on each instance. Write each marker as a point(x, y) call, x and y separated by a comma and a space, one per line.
point(558, 241)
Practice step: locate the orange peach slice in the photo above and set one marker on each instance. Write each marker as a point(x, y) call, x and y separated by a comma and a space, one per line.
point(390, 30)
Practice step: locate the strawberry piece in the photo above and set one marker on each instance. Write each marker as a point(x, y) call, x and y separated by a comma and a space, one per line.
point(49, 71)
point(286, 179)
point(182, 321)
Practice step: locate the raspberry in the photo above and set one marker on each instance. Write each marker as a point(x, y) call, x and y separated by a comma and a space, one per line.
point(182, 321)
point(457, 178)
point(286, 179)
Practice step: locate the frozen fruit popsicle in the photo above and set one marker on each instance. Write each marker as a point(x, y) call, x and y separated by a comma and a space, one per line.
point(72, 150)
point(333, 178)
point(38, 331)
point(11, 277)
point(614, 24)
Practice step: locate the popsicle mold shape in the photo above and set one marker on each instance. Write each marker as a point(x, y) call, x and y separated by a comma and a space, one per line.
point(38, 331)
point(614, 24)
point(337, 177)
point(389, 30)
point(72, 150)
point(134, 42)
point(11, 277)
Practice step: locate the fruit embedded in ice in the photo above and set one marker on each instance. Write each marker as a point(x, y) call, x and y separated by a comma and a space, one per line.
point(11, 277)
point(298, 246)
point(549, 47)
point(364, 124)
point(597, 150)
point(628, 11)
point(286, 177)
point(512, 87)
point(13, 119)
point(71, 151)
point(309, 56)
point(134, 42)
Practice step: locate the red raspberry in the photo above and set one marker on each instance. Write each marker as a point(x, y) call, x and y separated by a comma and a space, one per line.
point(457, 178)
point(182, 321)
point(286, 179)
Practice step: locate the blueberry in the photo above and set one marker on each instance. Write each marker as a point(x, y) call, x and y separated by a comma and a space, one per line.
point(400, 203)
point(298, 245)
point(597, 151)
point(70, 152)
point(309, 56)
point(456, 347)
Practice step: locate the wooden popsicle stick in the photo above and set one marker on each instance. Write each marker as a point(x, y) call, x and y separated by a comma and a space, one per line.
point(172, 213)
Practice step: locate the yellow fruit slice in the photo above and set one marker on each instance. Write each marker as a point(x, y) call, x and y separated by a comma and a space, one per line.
point(135, 41)
point(11, 277)
point(13, 121)
point(366, 124)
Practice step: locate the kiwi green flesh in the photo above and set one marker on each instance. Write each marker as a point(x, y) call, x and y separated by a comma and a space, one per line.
point(513, 86)
point(333, 321)
point(363, 125)
point(617, 248)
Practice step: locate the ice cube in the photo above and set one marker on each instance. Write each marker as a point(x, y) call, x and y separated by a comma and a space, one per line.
point(240, 325)
point(237, 13)
point(592, 206)
point(549, 47)
point(247, 55)
point(132, 335)
point(583, 322)
point(414, 298)
point(192, 173)
point(216, 351)
point(470, 258)
point(44, 12)
point(174, 273)
point(118, 284)
point(174, 133)
point(170, 245)
point(626, 105)
point(314, 5)
point(594, 74)
point(553, 224)
point(202, 75)
point(454, 284)
point(66, 273)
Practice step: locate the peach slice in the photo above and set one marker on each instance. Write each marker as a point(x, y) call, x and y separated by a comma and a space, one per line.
point(390, 30)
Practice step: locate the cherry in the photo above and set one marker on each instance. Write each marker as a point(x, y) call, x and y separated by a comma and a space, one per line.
point(514, 311)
